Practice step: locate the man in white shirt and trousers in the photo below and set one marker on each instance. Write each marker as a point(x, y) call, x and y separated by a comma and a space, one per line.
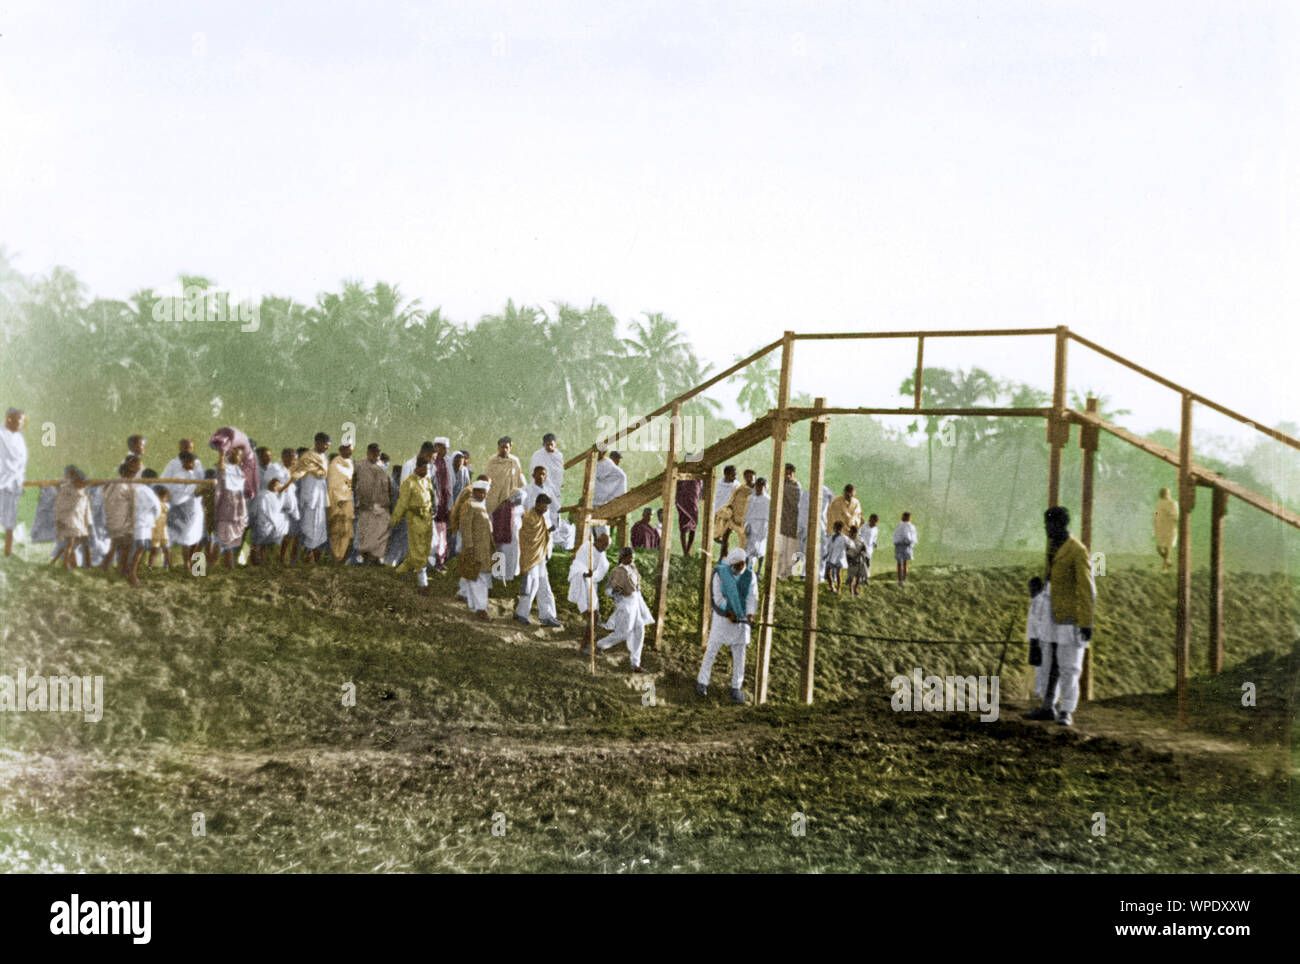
point(734, 591)
point(13, 468)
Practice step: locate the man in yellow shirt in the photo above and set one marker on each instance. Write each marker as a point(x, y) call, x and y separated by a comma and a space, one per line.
point(844, 508)
point(340, 511)
point(415, 505)
point(1074, 595)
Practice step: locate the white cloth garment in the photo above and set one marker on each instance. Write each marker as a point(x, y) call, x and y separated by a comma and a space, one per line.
point(1070, 647)
point(536, 585)
point(1041, 627)
point(723, 632)
point(476, 591)
point(870, 535)
point(148, 507)
point(270, 523)
point(554, 463)
point(609, 484)
point(756, 522)
point(722, 494)
point(631, 617)
point(578, 581)
point(13, 459)
point(837, 545)
point(311, 508)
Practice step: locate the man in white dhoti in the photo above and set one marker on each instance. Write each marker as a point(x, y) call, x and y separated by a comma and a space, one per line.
point(609, 483)
point(580, 576)
point(756, 520)
point(534, 548)
point(13, 469)
point(313, 498)
point(631, 614)
point(734, 591)
point(550, 458)
point(185, 522)
point(270, 524)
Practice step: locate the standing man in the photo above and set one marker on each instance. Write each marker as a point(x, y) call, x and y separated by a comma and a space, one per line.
point(313, 529)
point(534, 548)
point(415, 505)
point(507, 477)
point(1165, 522)
point(185, 522)
point(756, 522)
point(135, 445)
point(373, 501)
point(13, 468)
point(722, 491)
point(731, 518)
point(477, 547)
point(580, 577)
point(688, 510)
point(609, 483)
point(787, 537)
point(734, 591)
point(845, 508)
point(1074, 595)
point(551, 458)
point(440, 479)
point(341, 511)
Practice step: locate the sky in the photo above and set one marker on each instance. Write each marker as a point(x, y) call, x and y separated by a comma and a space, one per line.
point(746, 168)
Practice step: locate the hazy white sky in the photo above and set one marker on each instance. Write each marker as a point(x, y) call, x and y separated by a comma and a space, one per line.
point(1128, 169)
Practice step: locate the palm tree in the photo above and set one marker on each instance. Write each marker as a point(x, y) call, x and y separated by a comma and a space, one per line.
point(761, 380)
point(1016, 435)
point(964, 390)
point(936, 384)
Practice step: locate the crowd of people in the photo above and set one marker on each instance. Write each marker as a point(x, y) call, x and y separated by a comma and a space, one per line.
point(432, 512)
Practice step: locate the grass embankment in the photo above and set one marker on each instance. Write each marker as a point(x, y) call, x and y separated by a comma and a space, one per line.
point(224, 697)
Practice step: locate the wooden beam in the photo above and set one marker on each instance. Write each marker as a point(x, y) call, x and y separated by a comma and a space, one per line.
point(920, 359)
point(45, 483)
point(1057, 427)
point(705, 541)
point(1204, 476)
point(666, 531)
point(1218, 510)
point(776, 491)
point(812, 556)
point(949, 333)
point(1183, 608)
point(1272, 433)
point(796, 414)
point(1088, 441)
point(588, 493)
point(685, 396)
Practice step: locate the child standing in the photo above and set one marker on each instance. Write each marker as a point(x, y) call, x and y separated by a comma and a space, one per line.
point(72, 519)
point(160, 539)
point(836, 554)
point(148, 507)
point(904, 542)
point(119, 514)
point(1039, 633)
point(858, 559)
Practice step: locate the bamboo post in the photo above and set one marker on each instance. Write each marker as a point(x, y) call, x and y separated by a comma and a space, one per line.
point(776, 491)
point(1218, 510)
point(665, 537)
point(1089, 439)
point(1186, 501)
point(916, 385)
point(588, 496)
point(591, 596)
point(706, 553)
point(812, 553)
point(1058, 429)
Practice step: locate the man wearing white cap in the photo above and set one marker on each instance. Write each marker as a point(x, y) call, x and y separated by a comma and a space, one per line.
point(13, 467)
point(631, 614)
point(477, 546)
point(734, 590)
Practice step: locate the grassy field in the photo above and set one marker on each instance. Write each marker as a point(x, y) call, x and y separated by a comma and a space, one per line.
point(224, 697)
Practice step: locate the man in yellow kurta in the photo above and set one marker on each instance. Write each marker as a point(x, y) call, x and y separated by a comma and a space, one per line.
point(844, 508)
point(534, 547)
point(507, 477)
point(731, 517)
point(1166, 525)
point(1074, 595)
point(340, 511)
point(415, 505)
point(474, 563)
